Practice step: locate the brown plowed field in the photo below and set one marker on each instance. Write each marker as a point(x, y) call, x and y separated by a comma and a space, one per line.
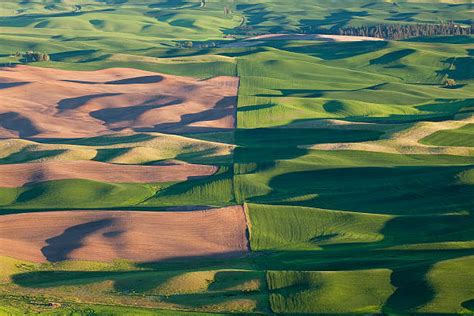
point(50, 103)
point(136, 236)
point(17, 175)
point(315, 37)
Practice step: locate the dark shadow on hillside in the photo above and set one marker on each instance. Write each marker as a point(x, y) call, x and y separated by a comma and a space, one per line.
point(412, 289)
point(392, 56)
point(315, 93)
point(249, 108)
point(262, 154)
point(108, 154)
point(437, 228)
point(223, 108)
point(63, 56)
point(18, 123)
point(171, 4)
point(443, 39)
point(7, 85)
point(409, 271)
point(293, 137)
point(333, 106)
point(25, 20)
point(130, 113)
point(26, 155)
point(75, 103)
point(397, 190)
point(138, 80)
point(149, 275)
point(403, 16)
point(337, 50)
point(447, 106)
point(439, 110)
point(178, 52)
point(61, 246)
point(205, 156)
point(256, 14)
point(333, 21)
point(409, 268)
point(106, 140)
point(468, 305)
point(213, 190)
point(242, 52)
point(459, 68)
point(401, 118)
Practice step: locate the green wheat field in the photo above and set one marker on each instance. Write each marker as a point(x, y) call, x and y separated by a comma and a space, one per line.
point(352, 161)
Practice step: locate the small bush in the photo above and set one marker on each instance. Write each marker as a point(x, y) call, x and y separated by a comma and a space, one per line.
point(28, 57)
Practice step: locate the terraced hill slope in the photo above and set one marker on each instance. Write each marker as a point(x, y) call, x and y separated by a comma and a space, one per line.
point(163, 163)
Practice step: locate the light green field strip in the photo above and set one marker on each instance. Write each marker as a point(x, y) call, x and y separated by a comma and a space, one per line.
point(125, 148)
point(221, 289)
point(274, 227)
point(362, 291)
point(301, 228)
point(188, 18)
point(411, 140)
point(353, 160)
point(360, 82)
point(394, 267)
point(324, 179)
point(281, 16)
point(91, 58)
point(366, 182)
point(451, 280)
point(216, 190)
point(463, 136)
point(370, 291)
point(189, 22)
point(237, 290)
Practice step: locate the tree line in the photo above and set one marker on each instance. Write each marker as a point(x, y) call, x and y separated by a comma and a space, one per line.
point(400, 31)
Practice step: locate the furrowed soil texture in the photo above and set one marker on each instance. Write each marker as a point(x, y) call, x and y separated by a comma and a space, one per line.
point(47, 103)
point(136, 236)
point(236, 157)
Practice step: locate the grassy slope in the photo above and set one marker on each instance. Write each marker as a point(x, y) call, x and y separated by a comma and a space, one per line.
point(363, 291)
point(331, 231)
point(363, 82)
point(118, 148)
point(282, 16)
point(463, 136)
point(217, 286)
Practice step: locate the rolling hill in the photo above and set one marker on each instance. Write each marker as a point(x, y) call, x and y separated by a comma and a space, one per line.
point(178, 157)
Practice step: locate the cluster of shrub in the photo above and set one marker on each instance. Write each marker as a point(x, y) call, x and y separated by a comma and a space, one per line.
point(30, 56)
point(400, 31)
point(189, 44)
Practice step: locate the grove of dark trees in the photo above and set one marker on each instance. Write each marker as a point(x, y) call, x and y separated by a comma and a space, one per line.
point(400, 31)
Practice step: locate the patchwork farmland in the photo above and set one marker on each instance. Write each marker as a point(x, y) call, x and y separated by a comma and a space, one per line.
point(236, 157)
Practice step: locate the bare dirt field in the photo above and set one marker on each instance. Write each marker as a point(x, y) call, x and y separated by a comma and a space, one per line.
point(50, 103)
point(136, 236)
point(260, 39)
point(314, 37)
point(17, 175)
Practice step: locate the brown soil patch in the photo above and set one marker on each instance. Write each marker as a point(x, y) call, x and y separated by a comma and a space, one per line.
point(136, 236)
point(315, 37)
point(51, 103)
point(17, 175)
